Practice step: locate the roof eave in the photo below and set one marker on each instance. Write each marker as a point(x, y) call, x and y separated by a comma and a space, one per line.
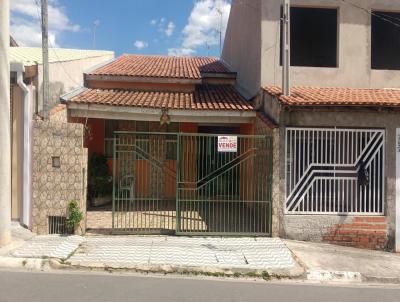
point(135, 79)
point(65, 98)
point(153, 114)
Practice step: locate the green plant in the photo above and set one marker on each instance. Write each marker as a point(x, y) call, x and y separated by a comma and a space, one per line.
point(99, 178)
point(266, 276)
point(75, 215)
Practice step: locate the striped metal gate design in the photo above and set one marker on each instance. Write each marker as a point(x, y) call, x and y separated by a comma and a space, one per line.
point(335, 171)
point(177, 183)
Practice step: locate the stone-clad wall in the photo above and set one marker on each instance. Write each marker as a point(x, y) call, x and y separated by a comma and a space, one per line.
point(52, 187)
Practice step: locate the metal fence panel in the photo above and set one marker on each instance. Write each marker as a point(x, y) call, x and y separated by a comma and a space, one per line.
point(335, 171)
point(225, 192)
point(170, 182)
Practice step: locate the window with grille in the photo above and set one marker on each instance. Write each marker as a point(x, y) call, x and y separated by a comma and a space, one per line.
point(57, 225)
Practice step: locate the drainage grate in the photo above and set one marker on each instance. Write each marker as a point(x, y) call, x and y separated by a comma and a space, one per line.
point(57, 225)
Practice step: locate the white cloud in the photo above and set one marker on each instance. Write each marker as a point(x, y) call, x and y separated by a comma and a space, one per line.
point(140, 44)
point(180, 51)
point(170, 29)
point(204, 24)
point(163, 27)
point(25, 22)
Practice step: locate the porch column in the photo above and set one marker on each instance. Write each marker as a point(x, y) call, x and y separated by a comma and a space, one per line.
point(397, 231)
point(5, 125)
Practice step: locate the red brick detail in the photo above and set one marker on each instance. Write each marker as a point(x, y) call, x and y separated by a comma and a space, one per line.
point(370, 219)
point(361, 232)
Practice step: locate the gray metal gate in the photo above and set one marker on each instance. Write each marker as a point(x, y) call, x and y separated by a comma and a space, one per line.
point(335, 171)
point(190, 184)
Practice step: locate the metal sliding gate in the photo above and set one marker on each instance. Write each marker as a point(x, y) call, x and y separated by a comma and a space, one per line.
point(335, 171)
point(192, 184)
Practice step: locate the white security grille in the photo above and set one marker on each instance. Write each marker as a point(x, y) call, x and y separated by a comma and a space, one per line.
point(335, 171)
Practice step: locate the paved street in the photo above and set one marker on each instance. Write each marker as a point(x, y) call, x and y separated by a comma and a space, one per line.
point(77, 287)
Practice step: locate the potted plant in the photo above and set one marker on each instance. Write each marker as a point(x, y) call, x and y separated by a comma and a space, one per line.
point(99, 180)
point(74, 217)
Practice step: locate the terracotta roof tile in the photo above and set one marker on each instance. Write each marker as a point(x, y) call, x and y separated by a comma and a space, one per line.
point(162, 67)
point(205, 97)
point(317, 96)
point(57, 108)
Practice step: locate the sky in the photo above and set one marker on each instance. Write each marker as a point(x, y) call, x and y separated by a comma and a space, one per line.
point(167, 27)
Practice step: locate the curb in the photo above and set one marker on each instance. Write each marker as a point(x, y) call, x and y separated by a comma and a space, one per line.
point(36, 264)
point(294, 274)
point(381, 280)
point(24, 263)
point(348, 277)
point(336, 276)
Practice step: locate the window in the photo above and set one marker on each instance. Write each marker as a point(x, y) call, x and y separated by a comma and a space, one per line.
point(171, 141)
point(110, 127)
point(141, 141)
point(55, 162)
point(385, 41)
point(313, 37)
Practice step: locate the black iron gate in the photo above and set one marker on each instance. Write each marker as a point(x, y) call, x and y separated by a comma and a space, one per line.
point(192, 184)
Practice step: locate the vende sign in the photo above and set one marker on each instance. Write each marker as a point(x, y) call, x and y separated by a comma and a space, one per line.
point(227, 143)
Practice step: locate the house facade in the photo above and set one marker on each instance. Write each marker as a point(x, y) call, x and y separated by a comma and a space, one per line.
point(335, 179)
point(31, 144)
point(185, 150)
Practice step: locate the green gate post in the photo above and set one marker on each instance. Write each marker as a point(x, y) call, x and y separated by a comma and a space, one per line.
point(178, 176)
point(270, 148)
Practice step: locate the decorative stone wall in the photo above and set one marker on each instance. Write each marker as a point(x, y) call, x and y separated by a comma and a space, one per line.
point(54, 187)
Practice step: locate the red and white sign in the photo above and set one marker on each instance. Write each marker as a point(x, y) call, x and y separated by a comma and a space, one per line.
point(227, 143)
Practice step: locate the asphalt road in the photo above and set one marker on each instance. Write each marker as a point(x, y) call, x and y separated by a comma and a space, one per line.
point(77, 287)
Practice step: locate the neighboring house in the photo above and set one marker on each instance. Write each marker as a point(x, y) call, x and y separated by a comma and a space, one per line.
point(181, 144)
point(335, 161)
point(66, 68)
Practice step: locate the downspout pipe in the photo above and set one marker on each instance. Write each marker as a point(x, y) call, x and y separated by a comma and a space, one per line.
point(26, 174)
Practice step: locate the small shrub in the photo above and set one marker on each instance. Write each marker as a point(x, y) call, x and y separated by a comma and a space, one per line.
point(99, 178)
point(266, 276)
point(75, 215)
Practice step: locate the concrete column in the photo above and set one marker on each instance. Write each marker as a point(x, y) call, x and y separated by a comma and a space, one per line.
point(397, 231)
point(5, 125)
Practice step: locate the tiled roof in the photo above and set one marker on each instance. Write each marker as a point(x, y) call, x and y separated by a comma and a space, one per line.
point(316, 96)
point(33, 55)
point(162, 67)
point(221, 97)
point(57, 108)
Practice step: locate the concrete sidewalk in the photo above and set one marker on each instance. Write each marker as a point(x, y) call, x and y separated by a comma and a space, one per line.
point(188, 254)
point(271, 257)
point(19, 236)
point(326, 262)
